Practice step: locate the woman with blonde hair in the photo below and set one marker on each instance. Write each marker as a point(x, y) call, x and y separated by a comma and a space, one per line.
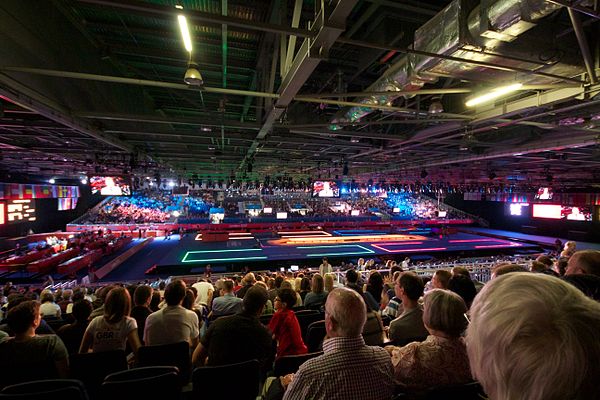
point(316, 297)
point(115, 328)
point(328, 281)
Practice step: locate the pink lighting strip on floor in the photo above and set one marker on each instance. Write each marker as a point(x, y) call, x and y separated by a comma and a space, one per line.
point(494, 246)
point(473, 240)
point(408, 250)
point(399, 243)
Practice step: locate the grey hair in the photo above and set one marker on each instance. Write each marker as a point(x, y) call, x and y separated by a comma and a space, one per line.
point(445, 311)
point(348, 310)
point(534, 337)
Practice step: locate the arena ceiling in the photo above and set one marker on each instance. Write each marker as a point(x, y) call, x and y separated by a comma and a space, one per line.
point(377, 86)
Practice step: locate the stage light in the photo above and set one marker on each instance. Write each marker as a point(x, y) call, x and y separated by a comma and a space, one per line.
point(185, 32)
point(52, 181)
point(436, 106)
point(84, 181)
point(176, 213)
point(171, 184)
point(493, 94)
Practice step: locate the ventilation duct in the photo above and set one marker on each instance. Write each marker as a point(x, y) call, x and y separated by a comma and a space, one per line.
point(466, 29)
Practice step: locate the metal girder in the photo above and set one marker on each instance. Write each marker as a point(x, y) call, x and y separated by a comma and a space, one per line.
point(169, 120)
point(28, 99)
point(198, 16)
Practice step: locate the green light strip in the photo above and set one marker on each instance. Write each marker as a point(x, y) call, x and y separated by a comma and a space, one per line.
point(366, 251)
point(224, 259)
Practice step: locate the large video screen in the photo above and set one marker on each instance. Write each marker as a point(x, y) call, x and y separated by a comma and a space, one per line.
point(544, 193)
point(67, 203)
point(576, 213)
point(550, 211)
point(325, 189)
point(555, 211)
point(110, 185)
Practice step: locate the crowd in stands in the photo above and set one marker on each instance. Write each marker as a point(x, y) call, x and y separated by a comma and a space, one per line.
point(161, 206)
point(531, 332)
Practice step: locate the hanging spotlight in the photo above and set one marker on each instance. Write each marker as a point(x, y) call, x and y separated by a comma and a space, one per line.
point(436, 106)
point(493, 94)
point(192, 76)
point(52, 181)
point(84, 181)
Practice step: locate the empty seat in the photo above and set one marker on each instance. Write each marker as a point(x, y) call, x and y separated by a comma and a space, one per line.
point(91, 368)
point(307, 317)
point(243, 379)
point(71, 389)
point(314, 336)
point(290, 364)
point(144, 382)
point(175, 354)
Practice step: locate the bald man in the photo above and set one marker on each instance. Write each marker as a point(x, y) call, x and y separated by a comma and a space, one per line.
point(348, 369)
point(584, 262)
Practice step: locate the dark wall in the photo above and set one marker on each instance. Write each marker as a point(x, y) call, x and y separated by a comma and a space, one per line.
point(48, 218)
point(494, 212)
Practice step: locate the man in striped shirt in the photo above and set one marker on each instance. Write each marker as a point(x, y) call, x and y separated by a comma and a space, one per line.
point(348, 369)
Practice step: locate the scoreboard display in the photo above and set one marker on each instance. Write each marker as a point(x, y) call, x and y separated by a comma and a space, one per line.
point(15, 211)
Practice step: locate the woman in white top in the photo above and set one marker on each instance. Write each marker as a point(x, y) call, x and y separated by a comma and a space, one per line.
point(49, 308)
point(114, 329)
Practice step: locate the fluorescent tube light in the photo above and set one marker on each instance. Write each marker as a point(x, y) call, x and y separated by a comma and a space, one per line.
point(494, 94)
point(185, 32)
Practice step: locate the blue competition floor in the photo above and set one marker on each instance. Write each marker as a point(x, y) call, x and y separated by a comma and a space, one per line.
point(191, 254)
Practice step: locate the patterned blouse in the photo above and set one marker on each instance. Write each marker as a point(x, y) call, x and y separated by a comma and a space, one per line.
point(435, 362)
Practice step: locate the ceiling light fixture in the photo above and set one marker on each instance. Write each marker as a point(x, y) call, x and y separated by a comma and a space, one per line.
point(84, 181)
point(185, 33)
point(52, 181)
point(192, 75)
point(436, 106)
point(493, 94)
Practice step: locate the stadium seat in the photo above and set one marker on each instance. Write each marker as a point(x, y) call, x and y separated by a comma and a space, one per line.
point(71, 389)
point(243, 376)
point(314, 336)
point(290, 364)
point(307, 317)
point(175, 354)
point(91, 368)
point(144, 382)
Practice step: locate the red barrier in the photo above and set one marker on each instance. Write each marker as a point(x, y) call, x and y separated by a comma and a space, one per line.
point(45, 265)
point(26, 258)
point(75, 264)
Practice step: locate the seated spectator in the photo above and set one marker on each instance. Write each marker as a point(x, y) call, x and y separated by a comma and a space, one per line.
point(352, 278)
point(49, 309)
point(239, 337)
point(560, 267)
point(285, 326)
point(288, 285)
point(315, 299)
point(464, 287)
point(588, 284)
point(409, 325)
point(248, 281)
point(66, 300)
point(441, 360)
point(28, 357)
point(72, 334)
point(304, 288)
point(440, 279)
point(141, 309)
point(114, 329)
point(172, 323)
point(584, 262)
point(349, 369)
point(534, 337)
point(373, 289)
point(329, 282)
point(155, 301)
point(227, 303)
point(269, 305)
point(506, 268)
point(98, 303)
point(205, 292)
